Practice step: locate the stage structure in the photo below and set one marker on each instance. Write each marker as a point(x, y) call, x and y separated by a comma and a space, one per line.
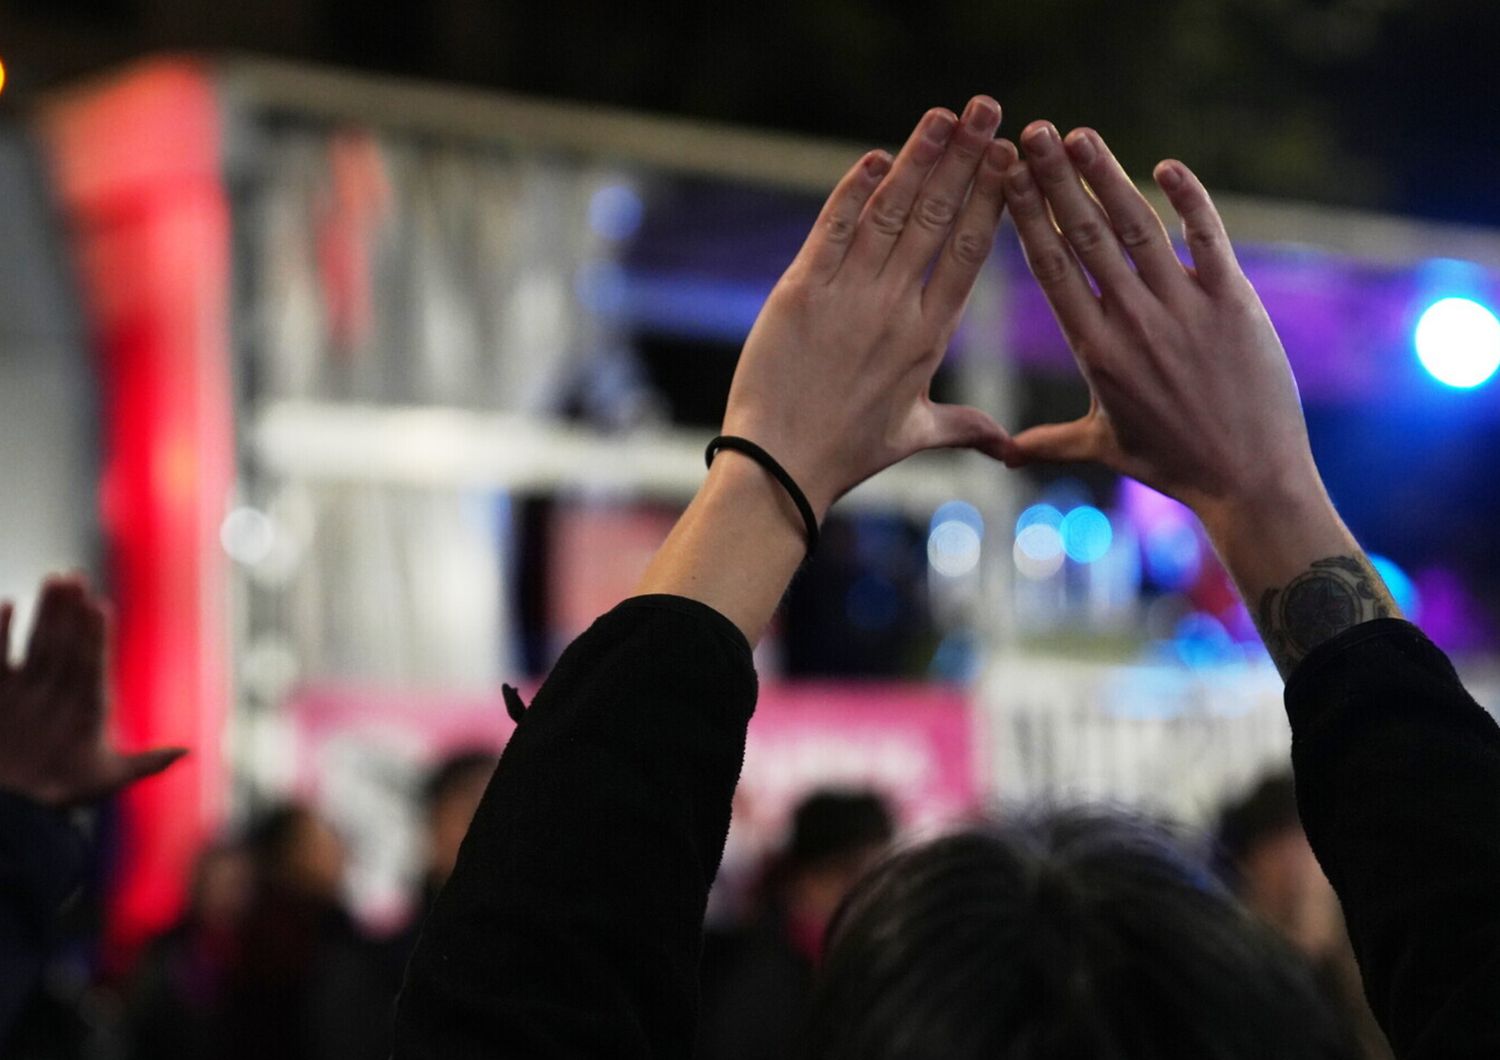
point(404, 383)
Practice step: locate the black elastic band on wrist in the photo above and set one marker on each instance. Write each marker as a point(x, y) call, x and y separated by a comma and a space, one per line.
point(779, 473)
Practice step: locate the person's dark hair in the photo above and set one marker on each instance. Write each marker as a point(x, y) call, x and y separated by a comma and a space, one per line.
point(274, 833)
point(832, 824)
point(1070, 934)
point(455, 771)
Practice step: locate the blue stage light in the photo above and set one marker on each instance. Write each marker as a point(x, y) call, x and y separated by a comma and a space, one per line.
point(1086, 534)
point(1403, 589)
point(1458, 342)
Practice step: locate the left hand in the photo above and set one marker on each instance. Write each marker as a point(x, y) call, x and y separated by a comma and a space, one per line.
point(833, 380)
point(54, 748)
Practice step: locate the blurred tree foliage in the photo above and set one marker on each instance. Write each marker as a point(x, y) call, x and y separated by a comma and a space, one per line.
point(1387, 103)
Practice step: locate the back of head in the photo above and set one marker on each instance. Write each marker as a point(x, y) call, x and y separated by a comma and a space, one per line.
point(1075, 934)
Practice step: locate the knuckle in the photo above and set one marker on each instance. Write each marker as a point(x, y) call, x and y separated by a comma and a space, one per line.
point(887, 218)
point(1087, 235)
point(838, 229)
point(971, 247)
point(1050, 267)
point(934, 211)
point(1202, 236)
point(1135, 233)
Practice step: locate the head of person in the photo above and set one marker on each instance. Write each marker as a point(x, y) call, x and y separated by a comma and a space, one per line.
point(1067, 934)
point(221, 886)
point(1265, 855)
point(451, 798)
point(836, 835)
point(296, 852)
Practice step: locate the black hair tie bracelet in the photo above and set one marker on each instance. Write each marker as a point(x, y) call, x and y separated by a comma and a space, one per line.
point(779, 473)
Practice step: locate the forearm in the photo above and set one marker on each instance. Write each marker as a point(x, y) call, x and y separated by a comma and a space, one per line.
point(1300, 571)
point(735, 548)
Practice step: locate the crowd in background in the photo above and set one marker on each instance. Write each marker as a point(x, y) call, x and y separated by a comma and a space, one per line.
point(266, 959)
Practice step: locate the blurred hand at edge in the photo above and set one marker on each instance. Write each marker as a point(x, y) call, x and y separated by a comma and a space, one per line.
point(55, 746)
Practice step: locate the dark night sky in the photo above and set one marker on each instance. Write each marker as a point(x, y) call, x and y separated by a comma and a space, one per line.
point(1382, 103)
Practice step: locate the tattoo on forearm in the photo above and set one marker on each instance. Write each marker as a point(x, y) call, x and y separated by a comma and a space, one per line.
point(1319, 604)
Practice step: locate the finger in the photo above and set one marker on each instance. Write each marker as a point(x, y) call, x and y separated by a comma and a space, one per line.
point(1213, 256)
point(1049, 257)
point(968, 248)
point(963, 427)
point(126, 770)
point(886, 213)
point(86, 666)
point(1055, 443)
point(941, 199)
point(1081, 219)
point(7, 615)
point(828, 242)
point(46, 649)
point(1136, 225)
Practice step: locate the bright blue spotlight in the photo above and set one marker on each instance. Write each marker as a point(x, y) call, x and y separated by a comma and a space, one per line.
point(1458, 342)
point(1086, 534)
point(1403, 589)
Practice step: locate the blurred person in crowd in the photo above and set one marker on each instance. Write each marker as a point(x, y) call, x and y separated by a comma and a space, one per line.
point(450, 796)
point(307, 983)
point(757, 982)
point(571, 925)
point(56, 756)
point(178, 997)
point(1264, 855)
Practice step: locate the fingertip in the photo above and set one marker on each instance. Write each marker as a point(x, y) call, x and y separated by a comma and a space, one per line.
point(1001, 155)
point(1170, 175)
point(1018, 178)
point(877, 164)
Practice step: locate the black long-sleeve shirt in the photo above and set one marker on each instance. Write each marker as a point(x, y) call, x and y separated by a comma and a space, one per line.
point(571, 924)
point(41, 864)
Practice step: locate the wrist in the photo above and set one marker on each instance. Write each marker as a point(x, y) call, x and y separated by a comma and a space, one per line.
point(739, 483)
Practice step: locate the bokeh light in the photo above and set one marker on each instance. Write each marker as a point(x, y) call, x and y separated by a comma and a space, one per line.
point(953, 546)
point(1039, 514)
point(1038, 551)
point(1458, 342)
point(2, 75)
point(1174, 556)
point(615, 211)
point(1201, 641)
point(248, 536)
point(1086, 534)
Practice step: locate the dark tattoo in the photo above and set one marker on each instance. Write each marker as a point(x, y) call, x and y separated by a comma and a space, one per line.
point(1319, 604)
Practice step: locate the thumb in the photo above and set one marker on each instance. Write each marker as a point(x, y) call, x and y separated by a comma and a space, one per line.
point(1054, 443)
point(963, 427)
point(147, 764)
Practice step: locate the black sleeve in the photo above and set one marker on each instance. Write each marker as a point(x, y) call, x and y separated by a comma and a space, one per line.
point(572, 924)
point(1398, 780)
point(41, 864)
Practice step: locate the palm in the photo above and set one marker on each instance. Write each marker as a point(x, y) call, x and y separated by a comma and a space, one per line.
point(53, 707)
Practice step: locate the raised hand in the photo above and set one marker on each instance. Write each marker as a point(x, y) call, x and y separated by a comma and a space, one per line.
point(1192, 393)
point(54, 744)
point(833, 379)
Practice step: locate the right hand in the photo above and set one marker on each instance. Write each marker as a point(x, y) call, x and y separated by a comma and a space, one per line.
point(1191, 390)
